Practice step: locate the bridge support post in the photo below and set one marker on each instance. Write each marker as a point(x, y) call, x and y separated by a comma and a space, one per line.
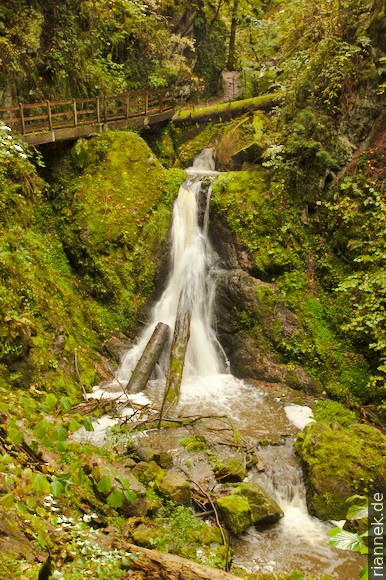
point(75, 112)
point(49, 115)
point(105, 108)
point(22, 121)
point(98, 110)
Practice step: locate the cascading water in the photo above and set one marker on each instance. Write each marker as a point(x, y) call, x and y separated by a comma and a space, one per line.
point(191, 278)
point(298, 540)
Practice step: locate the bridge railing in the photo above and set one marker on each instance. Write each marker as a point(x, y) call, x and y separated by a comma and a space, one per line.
point(50, 115)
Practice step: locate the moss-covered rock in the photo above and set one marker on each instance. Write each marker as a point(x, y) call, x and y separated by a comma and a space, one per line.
point(148, 472)
point(230, 470)
point(235, 512)
point(264, 509)
point(338, 462)
point(176, 488)
point(144, 535)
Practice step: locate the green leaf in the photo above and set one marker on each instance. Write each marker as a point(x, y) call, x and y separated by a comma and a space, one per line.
point(130, 495)
point(357, 512)
point(61, 433)
point(7, 500)
point(345, 540)
point(49, 403)
point(65, 403)
point(116, 498)
point(104, 484)
point(57, 488)
point(364, 573)
point(40, 483)
point(87, 424)
point(15, 435)
point(31, 503)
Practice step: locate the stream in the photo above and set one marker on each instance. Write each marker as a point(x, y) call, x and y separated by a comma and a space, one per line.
point(298, 541)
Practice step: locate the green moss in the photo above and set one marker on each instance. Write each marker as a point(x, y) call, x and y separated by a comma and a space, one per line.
point(326, 410)
point(230, 470)
point(148, 472)
point(194, 443)
point(260, 219)
point(223, 108)
point(235, 512)
point(338, 462)
point(180, 532)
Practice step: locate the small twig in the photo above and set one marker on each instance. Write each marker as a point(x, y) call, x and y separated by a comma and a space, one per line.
point(204, 514)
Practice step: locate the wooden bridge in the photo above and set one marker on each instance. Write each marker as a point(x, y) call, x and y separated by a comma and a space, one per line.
point(51, 121)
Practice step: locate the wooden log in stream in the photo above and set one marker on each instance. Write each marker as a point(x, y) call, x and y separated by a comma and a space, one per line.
point(155, 564)
point(149, 358)
point(177, 355)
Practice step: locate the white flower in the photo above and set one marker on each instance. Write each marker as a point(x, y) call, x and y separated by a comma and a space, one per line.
point(18, 148)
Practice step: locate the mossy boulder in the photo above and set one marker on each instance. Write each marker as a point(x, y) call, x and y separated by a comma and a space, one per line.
point(144, 535)
point(230, 470)
point(338, 462)
point(264, 509)
point(235, 511)
point(176, 488)
point(148, 472)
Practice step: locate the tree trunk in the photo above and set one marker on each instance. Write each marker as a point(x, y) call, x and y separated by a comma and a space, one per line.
point(177, 355)
point(232, 38)
point(155, 564)
point(149, 358)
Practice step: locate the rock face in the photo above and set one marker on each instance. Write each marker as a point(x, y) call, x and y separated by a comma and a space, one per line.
point(338, 462)
point(254, 327)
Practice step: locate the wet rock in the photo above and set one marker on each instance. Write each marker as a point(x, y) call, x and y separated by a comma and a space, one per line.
point(252, 324)
point(235, 512)
point(264, 509)
point(117, 345)
point(338, 462)
point(299, 379)
point(164, 459)
point(176, 488)
point(229, 471)
point(249, 361)
point(141, 449)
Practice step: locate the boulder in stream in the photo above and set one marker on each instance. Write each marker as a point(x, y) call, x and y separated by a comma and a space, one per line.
point(230, 470)
point(339, 462)
point(176, 488)
point(235, 512)
point(264, 509)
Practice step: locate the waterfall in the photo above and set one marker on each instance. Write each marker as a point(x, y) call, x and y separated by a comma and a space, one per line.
point(297, 540)
point(192, 276)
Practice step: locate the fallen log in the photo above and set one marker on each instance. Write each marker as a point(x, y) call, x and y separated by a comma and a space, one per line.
point(149, 358)
point(177, 355)
point(155, 564)
point(227, 110)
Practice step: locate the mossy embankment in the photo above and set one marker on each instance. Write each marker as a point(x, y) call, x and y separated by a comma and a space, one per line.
point(79, 258)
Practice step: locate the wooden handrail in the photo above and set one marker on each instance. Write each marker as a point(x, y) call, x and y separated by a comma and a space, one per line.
point(46, 117)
